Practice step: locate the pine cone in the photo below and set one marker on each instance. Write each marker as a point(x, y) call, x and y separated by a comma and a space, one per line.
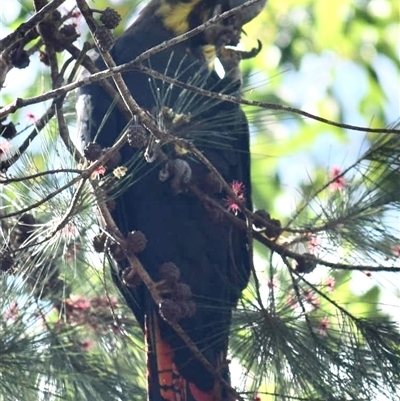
point(69, 32)
point(169, 272)
point(92, 151)
point(306, 263)
point(170, 310)
point(104, 39)
point(8, 131)
point(99, 242)
point(19, 58)
point(137, 136)
point(188, 309)
point(110, 18)
point(136, 242)
point(182, 292)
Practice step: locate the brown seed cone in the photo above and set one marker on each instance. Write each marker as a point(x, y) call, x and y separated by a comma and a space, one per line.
point(19, 58)
point(137, 136)
point(169, 272)
point(99, 242)
point(170, 310)
point(136, 242)
point(69, 32)
point(110, 18)
point(306, 263)
point(182, 292)
point(8, 131)
point(92, 151)
point(188, 309)
point(104, 39)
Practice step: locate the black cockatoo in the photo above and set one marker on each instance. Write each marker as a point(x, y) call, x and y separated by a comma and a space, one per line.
point(203, 259)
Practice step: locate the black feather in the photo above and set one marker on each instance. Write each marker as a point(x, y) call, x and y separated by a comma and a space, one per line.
point(211, 254)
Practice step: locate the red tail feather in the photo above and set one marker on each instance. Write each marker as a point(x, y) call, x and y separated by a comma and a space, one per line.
point(164, 374)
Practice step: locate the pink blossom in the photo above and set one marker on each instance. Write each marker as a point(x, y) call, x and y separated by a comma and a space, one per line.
point(330, 284)
point(75, 14)
point(238, 189)
point(101, 170)
point(69, 230)
point(5, 147)
point(76, 19)
point(87, 345)
point(396, 250)
point(338, 182)
point(78, 302)
point(292, 302)
point(12, 312)
point(97, 302)
point(324, 326)
point(31, 117)
point(232, 206)
point(312, 299)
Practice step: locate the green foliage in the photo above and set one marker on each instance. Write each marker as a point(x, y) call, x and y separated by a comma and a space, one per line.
point(48, 356)
point(293, 335)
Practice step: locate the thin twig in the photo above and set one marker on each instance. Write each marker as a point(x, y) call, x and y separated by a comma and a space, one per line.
point(86, 173)
point(256, 103)
point(20, 32)
point(71, 209)
point(9, 180)
point(20, 102)
point(64, 132)
point(39, 125)
point(281, 249)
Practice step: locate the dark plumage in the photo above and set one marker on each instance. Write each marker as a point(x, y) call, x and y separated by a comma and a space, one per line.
point(211, 255)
